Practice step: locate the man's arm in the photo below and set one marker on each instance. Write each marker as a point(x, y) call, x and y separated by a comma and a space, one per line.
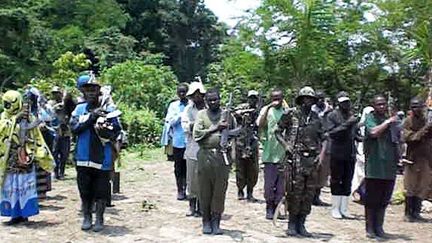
point(200, 131)
point(376, 130)
point(410, 135)
point(336, 129)
point(186, 122)
point(79, 123)
point(262, 117)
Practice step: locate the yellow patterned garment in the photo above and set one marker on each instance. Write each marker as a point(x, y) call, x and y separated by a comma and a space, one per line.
point(9, 129)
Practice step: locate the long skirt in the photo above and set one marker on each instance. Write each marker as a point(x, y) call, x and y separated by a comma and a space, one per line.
point(18, 195)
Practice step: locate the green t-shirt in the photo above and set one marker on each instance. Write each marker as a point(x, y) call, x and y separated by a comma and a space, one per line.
point(273, 151)
point(380, 152)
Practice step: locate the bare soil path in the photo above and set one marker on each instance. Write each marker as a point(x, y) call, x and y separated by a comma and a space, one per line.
point(146, 211)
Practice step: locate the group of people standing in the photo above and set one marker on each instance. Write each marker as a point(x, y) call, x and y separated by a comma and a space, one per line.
point(304, 148)
point(38, 134)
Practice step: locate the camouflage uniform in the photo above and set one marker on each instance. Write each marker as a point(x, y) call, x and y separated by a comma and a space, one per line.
point(247, 150)
point(301, 134)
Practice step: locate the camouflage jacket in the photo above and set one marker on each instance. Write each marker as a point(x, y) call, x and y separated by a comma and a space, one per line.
point(302, 135)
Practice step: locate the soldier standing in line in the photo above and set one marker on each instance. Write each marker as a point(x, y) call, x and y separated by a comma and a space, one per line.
point(195, 94)
point(300, 133)
point(247, 168)
point(341, 127)
point(417, 132)
point(381, 164)
point(213, 170)
point(173, 125)
point(273, 152)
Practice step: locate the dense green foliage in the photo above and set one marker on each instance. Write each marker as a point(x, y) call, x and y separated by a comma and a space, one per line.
point(145, 47)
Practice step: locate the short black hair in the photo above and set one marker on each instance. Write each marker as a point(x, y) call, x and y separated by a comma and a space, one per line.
point(378, 96)
point(277, 90)
point(213, 91)
point(183, 85)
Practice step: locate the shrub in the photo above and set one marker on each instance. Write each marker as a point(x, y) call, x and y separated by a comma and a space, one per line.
point(142, 125)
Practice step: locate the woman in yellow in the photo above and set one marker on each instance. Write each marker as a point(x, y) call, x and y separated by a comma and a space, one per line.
point(18, 157)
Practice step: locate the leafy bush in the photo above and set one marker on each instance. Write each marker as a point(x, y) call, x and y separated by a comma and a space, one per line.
point(142, 84)
point(142, 125)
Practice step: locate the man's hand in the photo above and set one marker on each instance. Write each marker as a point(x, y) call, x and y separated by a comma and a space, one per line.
point(222, 125)
point(95, 114)
point(275, 103)
point(391, 119)
point(24, 114)
point(352, 120)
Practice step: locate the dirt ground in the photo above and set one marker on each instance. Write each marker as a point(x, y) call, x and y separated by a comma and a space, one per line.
point(147, 211)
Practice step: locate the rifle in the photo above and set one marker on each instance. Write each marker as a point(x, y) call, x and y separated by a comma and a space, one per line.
point(251, 129)
point(289, 163)
point(225, 133)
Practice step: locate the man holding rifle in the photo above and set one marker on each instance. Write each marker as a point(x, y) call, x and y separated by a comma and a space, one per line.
point(247, 168)
point(209, 132)
point(300, 133)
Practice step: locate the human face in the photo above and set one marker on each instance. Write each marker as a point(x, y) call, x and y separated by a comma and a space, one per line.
point(181, 92)
point(345, 106)
point(197, 97)
point(253, 100)
point(91, 93)
point(277, 98)
point(417, 108)
point(380, 105)
point(308, 101)
point(213, 101)
point(57, 96)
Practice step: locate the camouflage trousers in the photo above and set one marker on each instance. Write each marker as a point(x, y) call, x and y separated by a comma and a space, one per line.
point(301, 191)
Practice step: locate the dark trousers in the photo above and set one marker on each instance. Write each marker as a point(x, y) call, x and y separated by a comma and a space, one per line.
point(61, 154)
point(213, 182)
point(378, 192)
point(49, 139)
point(93, 184)
point(274, 184)
point(180, 168)
point(247, 173)
point(342, 172)
point(378, 196)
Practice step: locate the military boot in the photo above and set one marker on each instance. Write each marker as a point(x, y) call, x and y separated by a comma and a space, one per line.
point(240, 194)
point(207, 227)
point(370, 222)
point(86, 207)
point(192, 206)
point(249, 196)
point(215, 224)
point(416, 209)
point(317, 201)
point(301, 229)
point(198, 209)
point(379, 222)
point(100, 209)
point(292, 225)
point(409, 207)
point(181, 193)
point(269, 211)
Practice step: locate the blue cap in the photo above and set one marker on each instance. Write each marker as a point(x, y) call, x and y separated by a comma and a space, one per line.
point(86, 80)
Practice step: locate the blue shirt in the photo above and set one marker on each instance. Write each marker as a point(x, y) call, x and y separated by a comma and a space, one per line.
point(90, 151)
point(173, 125)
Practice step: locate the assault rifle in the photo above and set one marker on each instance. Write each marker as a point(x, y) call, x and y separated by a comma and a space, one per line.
point(224, 143)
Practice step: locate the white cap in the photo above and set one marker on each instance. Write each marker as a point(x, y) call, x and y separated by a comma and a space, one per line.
point(252, 93)
point(194, 86)
point(343, 99)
